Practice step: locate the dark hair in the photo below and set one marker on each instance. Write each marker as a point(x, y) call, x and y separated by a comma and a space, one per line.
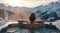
point(32, 17)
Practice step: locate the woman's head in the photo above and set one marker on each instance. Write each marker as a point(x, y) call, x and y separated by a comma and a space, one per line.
point(32, 17)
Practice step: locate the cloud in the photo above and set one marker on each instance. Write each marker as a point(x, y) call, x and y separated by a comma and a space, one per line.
point(26, 3)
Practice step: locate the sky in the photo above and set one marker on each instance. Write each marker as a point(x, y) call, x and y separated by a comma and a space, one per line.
point(26, 3)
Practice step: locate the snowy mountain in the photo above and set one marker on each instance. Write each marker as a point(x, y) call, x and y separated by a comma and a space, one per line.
point(10, 8)
point(45, 12)
point(48, 11)
point(19, 12)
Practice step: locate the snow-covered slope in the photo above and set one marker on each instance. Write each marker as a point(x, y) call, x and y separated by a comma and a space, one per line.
point(46, 11)
point(19, 12)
